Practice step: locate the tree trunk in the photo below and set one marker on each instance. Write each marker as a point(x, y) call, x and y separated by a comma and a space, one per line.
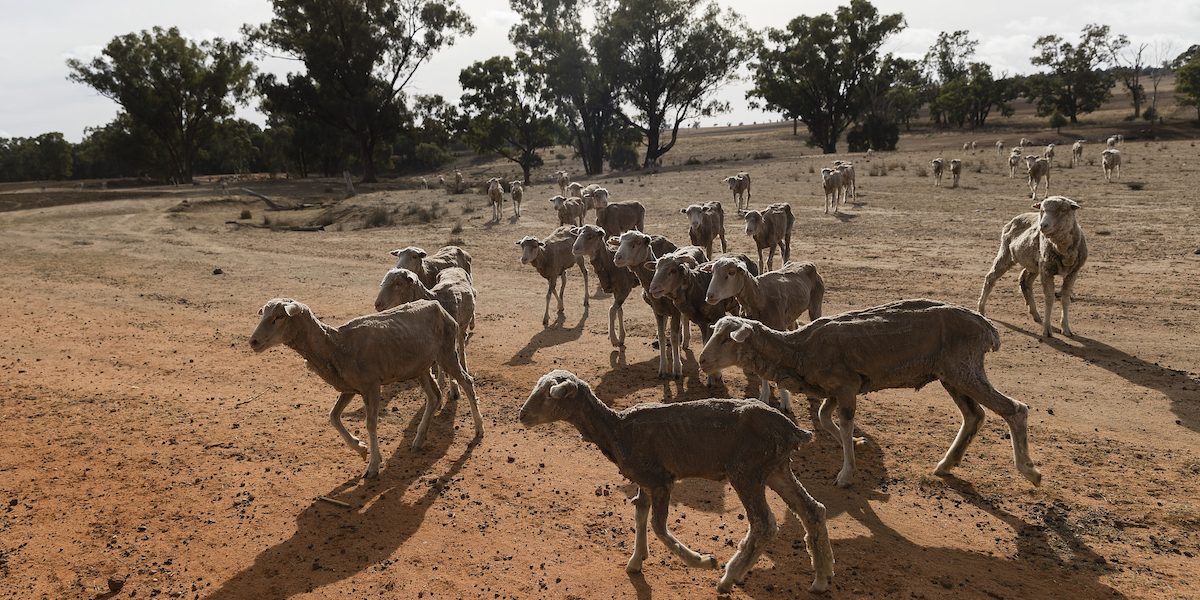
point(367, 151)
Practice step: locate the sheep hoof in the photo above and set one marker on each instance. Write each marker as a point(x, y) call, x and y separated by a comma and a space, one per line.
point(709, 562)
point(844, 480)
point(860, 442)
point(818, 586)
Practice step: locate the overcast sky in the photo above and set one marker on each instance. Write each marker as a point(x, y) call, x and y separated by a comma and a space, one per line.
point(36, 38)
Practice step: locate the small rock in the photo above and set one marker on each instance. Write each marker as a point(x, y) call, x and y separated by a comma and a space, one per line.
point(218, 272)
point(115, 583)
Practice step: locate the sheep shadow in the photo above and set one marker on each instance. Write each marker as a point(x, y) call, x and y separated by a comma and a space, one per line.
point(551, 336)
point(332, 543)
point(1173, 384)
point(844, 217)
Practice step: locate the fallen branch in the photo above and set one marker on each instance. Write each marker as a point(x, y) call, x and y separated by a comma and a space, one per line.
point(279, 227)
point(271, 203)
point(332, 501)
point(252, 398)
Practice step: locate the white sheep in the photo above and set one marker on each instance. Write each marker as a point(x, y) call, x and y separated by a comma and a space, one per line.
point(634, 251)
point(1038, 168)
point(937, 165)
point(706, 222)
point(1000, 148)
point(653, 445)
point(590, 241)
point(427, 267)
point(563, 180)
point(1048, 154)
point(1046, 243)
point(831, 181)
point(955, 172)
point(518, 194)
point(495, 194)
point(1076, 152)
point(395, 345)
point(740, 185)
point(904, 344)
point(1112, 141)
point(1025, 142)
point(552, 258)
point(575, 190)
point(848, 184)
point(424, 183)
point(1014, 159)
point(966, 146)
point(458, 180)
point(1111, 159)
point(570, 210)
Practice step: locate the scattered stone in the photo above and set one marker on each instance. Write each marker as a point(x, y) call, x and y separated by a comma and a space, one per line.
point(115, 583)
point(218, 272)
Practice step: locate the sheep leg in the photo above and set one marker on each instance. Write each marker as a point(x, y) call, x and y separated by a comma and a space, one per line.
point(770, 259)
point(661, 322)
point(582, 269)
point(825, 414)
point(1027, 278)
point(812, 515)
point(562, 288)
point(724, 248)
point(460, 375)
point(686, 326)
point(549, 292)
point(1068, 289)
point(371, 400)
point(762, 529)
point(1048, 294)
point(433, 399)
point(785, 400)
point(1015, 414)
point(1003, 262)
point(660, 503)
point(641, 506)
point(335, 419)
point(973, 417)
point(764, 391)
point(676, 361)
point(846, 407)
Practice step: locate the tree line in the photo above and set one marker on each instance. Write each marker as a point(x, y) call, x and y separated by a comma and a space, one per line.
point(614, 79)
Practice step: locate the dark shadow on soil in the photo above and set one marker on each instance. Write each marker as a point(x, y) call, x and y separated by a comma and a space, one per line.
point(549, 337)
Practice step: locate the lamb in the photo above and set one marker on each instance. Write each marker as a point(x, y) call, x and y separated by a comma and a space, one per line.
point(495, 196)
point(848, 185)
point(973, 147)
point(1076, 152)
point(395, 345)
point(1025, 142)
point(563, 180)
point(1014, 159)
point(427, 268)
point(1111, 159)
point(654, 444)
point(831, 179)
point(1046, 243)
point(966, 146)
point(936, 164)
point(1112, 141)
point(678, 276)
point(903, 344)
point(570, 210)
point(771, 228)
point(706, 222)
point(1000, 148)
point(442, 180)
point(635, 251)
point(618, 217)
point(955, 171)
point(518, 193)
point(1038, 168)
point(618, 281)
point(1048, 154)
point(776, 298)
point(453, 291)
point(740, 184)
point(552, 258)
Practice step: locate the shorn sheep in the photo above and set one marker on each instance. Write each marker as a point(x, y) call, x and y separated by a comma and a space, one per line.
point(1046, 243)
point(552, 258)
point(398, 344)
point(1048, 154)
point(936, 165)
point(955, 172)
point(831, 181)
point(771, 228)
point(563, 180)
point(634, 251)
point(1038, 168)
point(495, 197)
point(654, 445)
point(518, 194)
point(590, 241)
point(740, 186)
point(904, 344)
point(1076, 152)
point(1000, 148)
point(706, 222)
point(1014, 159)
point(570, 210)
point(849, 187)
point(618, 217)
point(1110, 160)
point(427, 267)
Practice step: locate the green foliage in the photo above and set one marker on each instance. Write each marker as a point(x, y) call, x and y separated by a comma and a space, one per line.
point(358, 57)
point(47, 156)
point(1187, 84)
point(432, 156)
point(966, 91)
point(668, 58)
point(1150, 113)
point(1057, 120)
point(1075, 84)
point(813, 69)
point(507, 115)
point(624, 157)
point(176, 89)
point(875, 133)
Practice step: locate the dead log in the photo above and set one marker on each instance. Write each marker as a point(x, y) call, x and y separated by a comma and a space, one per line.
point(279, 227)
point(273, 205)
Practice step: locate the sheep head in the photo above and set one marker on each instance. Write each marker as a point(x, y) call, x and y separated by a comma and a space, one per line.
point(1056, 215)
point(728, 278)
point(276, 327)
point(587, 241)
point(634, 248)
point(531, 248)
point(409, 258)
point(399, 286)
point(549, 400)
point(721, 349)
point(669, 272)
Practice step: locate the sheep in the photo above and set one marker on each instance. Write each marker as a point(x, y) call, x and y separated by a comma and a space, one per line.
point(678, 276)
point(453, 291)
point(518, 193)
point(831, 180)
point(936, 165)
point(590, 241)
point(955, 171)
point(966, 146)
point(973, 147)
point(224, 186)
point(552, 258)
point(618, 217)
point(1014, 159)
point(1000, 148)
point(776, 298)
point(570, 210)
point(563, 180)
point(395, 345)
point(1120, 139)
point(458, 181)
point(870, 153)
point(903, 344)
point(427, 268)
point(706, 222)
point(1112, 141)
point(589, 199)
point(771, 228)
point(495, 196)
point(442, 180)
point(1048, 154)
point(575, 189)
point(654, 444)
point(1025, 142)
point(1046, 243)
point(635, 251)
point(1037, 168)
point(1111, 159)
point(848, 184)
point(740, 185)
point(424, 183)
point(1076, 152)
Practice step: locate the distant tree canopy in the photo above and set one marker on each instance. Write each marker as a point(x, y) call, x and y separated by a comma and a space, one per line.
point(358, 58)
point(505, 112)
point(962, 91)
point(47, 156)
point(1187, 84)
point(814, 68)
point(176, 89)
point(1075, 84)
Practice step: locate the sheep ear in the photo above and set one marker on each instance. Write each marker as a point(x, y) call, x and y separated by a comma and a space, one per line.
point(688, 260)
point(740, 334)
point(292, 308)
point(707, 267)
point(421, 254)
point(260, 311)
point(1037, 206)
point(614, 240)
point(576, 230)
point(683, 211)
point(562, 390)
point(651, 265)
point(394, 253)
point(1075, 205)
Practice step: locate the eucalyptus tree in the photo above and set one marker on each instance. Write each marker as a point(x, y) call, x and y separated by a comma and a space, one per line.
point(505, 113)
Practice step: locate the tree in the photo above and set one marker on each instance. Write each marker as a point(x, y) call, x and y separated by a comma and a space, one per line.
point(505, 112)
point(358, 57)
point(174, 87)
point(1160, 69)
point(1130, 66)
point(1075, 83)
point(948, 58)
point(1187, 85)
point(668, 62)
point(813, 69)
point(553, 41)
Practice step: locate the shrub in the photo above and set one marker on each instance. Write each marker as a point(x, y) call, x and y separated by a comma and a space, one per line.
point(245, 214)
point(624, 157)
point(692, 160)
point(761, 155)
point(378, 217)
point(875, 133)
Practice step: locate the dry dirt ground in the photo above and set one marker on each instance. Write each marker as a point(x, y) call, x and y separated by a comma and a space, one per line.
point(145, 442)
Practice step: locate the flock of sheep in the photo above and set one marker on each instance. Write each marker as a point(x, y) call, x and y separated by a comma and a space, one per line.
point(748, 315)
point(1037, 167)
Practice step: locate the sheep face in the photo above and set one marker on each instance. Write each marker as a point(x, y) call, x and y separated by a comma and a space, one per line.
point(546, 402)
point(398, 287)
point(599, 198)
point(728, 278)
point(695, 215)
point(409, 258)
point(558, 202)
point(634, 248)
point(1056, 215)
point(576, 189)
point(588, 240)
point(531, 248)
point(754, 222)
point(721, 349)
point(669, 272)
point(275, 327)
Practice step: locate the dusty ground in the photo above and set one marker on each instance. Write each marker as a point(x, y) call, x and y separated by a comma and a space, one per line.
point(145, 441)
